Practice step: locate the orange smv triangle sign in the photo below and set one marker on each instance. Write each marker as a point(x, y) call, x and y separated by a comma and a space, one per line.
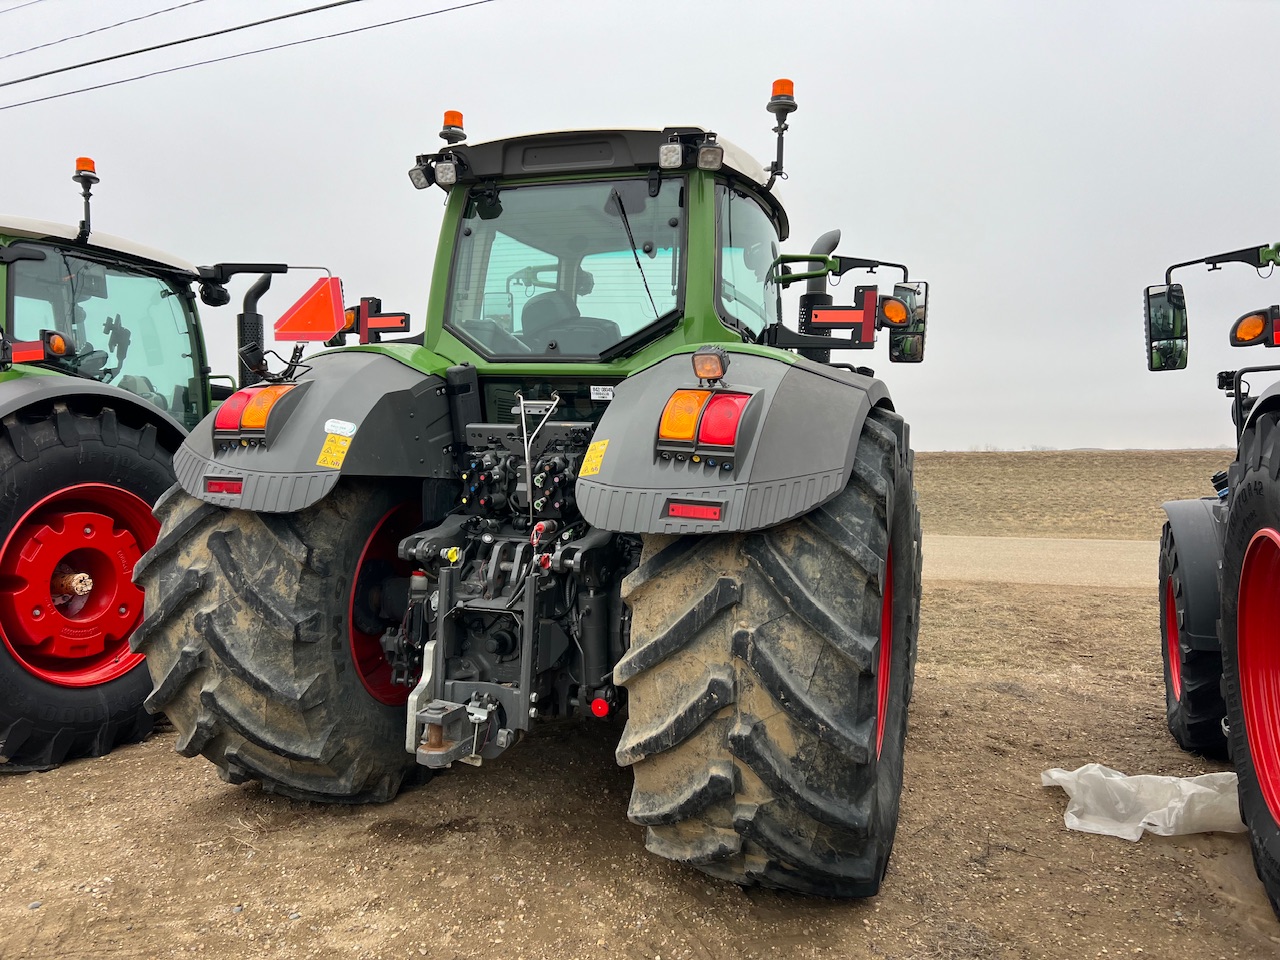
point(317, 315)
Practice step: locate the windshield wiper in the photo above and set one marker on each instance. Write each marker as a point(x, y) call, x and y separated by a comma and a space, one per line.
point(617, 197)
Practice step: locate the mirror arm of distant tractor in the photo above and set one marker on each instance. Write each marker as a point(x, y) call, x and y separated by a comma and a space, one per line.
point(1256, 257)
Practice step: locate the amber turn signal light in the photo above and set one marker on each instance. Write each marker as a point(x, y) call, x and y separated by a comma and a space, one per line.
point(680, 415)
point(1249, 329)
point(893, 311)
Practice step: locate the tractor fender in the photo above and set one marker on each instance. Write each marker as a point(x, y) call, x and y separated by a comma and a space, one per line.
point(794, 449)
point(1267, 401)
point(21, 393)
point(1197, 527)
point(354, 413)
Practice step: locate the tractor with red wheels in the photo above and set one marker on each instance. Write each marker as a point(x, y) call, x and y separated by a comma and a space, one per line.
point(606, 482)
point(102, 375)
point(1219, 575)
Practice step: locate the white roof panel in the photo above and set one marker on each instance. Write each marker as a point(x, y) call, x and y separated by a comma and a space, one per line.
point(43, 229)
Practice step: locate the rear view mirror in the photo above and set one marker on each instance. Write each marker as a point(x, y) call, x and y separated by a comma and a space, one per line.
point(906, 340)
point(1166, 325)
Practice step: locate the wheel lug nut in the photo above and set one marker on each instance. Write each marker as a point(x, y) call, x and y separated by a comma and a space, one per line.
point(37, 612)
point(123, 609)
point(88, 530)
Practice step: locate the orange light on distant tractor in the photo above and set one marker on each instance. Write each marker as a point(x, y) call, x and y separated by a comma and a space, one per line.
point(85, 165)
point(453, 118)
point(680, 415)
point(57, 345)
point(259, 406)
point(1250, 328)
point(784, 88)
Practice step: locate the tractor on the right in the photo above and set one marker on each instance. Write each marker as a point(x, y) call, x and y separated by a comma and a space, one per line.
point(1220, 573)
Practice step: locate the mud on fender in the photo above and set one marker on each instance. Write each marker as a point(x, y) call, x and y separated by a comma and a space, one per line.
point(794, 446)
point(355, 413)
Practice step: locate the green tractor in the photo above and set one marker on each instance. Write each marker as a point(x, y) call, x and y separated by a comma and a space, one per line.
point(1219, 576)
point(102, 374)
point(600, 485)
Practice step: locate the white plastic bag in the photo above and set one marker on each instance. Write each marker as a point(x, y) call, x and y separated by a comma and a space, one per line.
point(1105, 801)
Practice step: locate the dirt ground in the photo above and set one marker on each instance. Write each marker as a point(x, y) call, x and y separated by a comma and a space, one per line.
point(147, 854)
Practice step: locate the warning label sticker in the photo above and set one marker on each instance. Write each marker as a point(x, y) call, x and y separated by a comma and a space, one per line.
point(334, 451)
point(594, 457)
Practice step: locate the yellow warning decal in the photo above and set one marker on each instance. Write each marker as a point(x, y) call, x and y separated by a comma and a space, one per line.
point(595, 456)
point(334, 451)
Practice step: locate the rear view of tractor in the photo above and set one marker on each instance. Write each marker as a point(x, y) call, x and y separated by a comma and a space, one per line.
point(607, 481)
point(1220, 574)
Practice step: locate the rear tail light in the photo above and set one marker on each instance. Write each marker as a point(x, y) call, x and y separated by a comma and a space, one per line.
point(227, 419)
point(719, 426)
point(680, 415)
point(249, 409)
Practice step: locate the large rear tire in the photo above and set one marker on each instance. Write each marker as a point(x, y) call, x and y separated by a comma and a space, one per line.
point(768, 684)
point(263, 649)
point(1250, 637)
point(1194, 707)
point(75, 515)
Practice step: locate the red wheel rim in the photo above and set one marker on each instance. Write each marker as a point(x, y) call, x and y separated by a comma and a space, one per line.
point(1258, 647)
point(886, 653)
point(379, 554)
point(54, 632)
point(1171, 639)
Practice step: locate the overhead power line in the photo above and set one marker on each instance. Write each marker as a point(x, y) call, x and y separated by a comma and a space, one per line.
point(109, 26)
point(246, 53)
point(29, 3)
point(178, 43)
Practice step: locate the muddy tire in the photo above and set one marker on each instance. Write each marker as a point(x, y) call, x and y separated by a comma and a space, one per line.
point(768, 682)
point(261, 650)
point(1250, 589)
point(1193, 700)
point(75, 501)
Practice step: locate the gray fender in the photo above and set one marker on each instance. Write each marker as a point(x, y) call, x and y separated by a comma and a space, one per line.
point(1197, 532)
point(23, 392)
point(795, 448)
point(396, 417)
point(1267, 401)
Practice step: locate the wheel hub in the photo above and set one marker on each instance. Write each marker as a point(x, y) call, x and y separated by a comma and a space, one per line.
point(67, 595)
point(1172, 639)
point(885, 664)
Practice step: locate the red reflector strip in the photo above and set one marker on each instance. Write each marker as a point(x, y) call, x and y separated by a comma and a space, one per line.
point(693, 511)
point(28, 351)
point(227, 419)
point(223, 486)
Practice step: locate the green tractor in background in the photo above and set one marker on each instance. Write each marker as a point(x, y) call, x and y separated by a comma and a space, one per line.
point(102, 374)
point(1219, 576)
point(599, 485)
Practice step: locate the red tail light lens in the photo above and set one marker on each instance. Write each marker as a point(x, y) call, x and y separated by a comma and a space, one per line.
point(693, 511)
point(227, 419)
point(719, 426)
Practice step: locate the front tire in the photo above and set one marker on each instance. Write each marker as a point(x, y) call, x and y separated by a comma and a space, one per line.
point(1194, 707)
point(263, 650)
point(1250, 639)
point(76, 491)
point(768, 684)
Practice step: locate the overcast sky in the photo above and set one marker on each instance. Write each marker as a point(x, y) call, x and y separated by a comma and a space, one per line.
point(1038, 163)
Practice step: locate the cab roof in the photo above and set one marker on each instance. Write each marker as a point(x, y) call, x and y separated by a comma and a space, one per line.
point(28, 229)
